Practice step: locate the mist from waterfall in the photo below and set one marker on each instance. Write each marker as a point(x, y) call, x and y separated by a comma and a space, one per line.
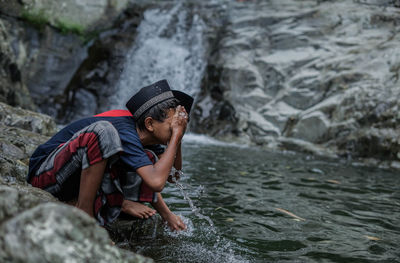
point(169, 45)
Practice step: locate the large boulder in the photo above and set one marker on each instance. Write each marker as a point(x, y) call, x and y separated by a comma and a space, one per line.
point(52, 232)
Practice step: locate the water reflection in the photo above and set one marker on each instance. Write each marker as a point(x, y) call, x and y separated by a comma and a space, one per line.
point(257, 201)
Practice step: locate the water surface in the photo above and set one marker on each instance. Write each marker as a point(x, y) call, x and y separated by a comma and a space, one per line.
point(339, 213)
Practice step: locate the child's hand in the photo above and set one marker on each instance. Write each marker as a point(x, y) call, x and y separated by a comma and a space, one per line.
point(175, 223)
point(174, 176)
point(179, 121)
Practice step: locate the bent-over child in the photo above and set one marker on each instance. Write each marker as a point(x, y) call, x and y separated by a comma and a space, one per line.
point(114, 161)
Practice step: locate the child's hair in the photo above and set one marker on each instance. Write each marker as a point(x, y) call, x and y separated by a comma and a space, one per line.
point(158, 112)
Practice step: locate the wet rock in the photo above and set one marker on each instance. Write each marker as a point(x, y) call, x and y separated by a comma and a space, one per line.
point(58, 233)
point(133, 231)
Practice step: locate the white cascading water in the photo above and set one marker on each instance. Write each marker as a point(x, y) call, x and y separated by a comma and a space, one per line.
point(166, 47)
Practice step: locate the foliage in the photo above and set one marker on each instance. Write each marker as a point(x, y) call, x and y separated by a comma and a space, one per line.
point(67, 27)
point(37, 19)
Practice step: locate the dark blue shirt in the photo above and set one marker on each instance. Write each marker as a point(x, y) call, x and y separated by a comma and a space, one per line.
point(133, 156)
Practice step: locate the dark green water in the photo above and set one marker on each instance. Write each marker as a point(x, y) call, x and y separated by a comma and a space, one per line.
point(350, 214)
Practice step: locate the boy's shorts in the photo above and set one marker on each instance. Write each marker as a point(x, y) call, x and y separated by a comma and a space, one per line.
point(60, 173)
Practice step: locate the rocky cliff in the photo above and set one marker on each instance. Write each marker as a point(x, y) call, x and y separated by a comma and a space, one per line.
point(315, 76)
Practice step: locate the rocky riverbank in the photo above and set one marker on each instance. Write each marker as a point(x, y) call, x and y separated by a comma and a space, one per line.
point(34, 226)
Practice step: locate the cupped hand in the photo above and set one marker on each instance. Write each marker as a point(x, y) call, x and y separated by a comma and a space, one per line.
point(173, 178)
point(179, 121)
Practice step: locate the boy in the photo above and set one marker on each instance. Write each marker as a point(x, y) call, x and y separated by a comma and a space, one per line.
point(99, 164)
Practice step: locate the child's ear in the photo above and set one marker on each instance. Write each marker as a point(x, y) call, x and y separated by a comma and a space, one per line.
point(148, 123)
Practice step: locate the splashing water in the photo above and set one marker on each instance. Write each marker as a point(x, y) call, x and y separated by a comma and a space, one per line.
point(195, 210)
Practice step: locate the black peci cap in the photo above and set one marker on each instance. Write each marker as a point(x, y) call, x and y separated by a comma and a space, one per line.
point(151, 95)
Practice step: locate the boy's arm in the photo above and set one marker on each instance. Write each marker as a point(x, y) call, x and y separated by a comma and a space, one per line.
point(177, 165)
point(174, 221)
point(156, 175)
point(178, 158)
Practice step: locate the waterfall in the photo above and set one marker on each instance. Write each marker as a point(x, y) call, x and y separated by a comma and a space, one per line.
point(169, 45)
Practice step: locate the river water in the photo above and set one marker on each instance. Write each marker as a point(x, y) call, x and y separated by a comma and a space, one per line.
point(275, 207)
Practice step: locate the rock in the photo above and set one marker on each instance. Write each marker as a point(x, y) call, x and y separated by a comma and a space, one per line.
point(311, 127)
point(298, 145)
point(43, 44)
point(18, 198)
point(20, 134)
point(12, 171)
point(94, 82)
point(44, 59)
point(133, 231)
point(58, 233)
point(27, 120)
point(13, 90)
point(68, 15)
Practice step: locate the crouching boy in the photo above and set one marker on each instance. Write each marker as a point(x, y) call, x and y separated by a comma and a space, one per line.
point(109, 163)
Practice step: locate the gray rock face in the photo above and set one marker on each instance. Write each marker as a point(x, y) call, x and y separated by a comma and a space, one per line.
point(69, 13)
point(43, 43)
point(27, 120)
point(12, 88)
point(94, 82)
point(20, 133)
point(321, 72)
point(46, 60)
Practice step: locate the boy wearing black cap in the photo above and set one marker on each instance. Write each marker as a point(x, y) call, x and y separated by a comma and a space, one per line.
point(101, 162)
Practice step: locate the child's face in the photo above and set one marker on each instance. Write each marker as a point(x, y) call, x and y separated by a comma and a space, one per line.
point(162, 130)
